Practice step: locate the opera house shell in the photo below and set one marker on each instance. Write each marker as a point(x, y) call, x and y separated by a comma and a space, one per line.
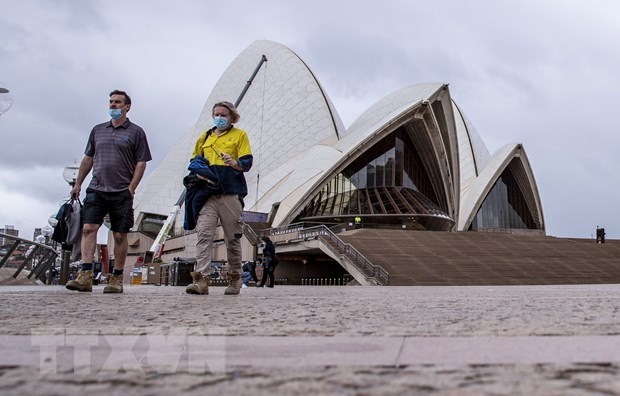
point(412, 160)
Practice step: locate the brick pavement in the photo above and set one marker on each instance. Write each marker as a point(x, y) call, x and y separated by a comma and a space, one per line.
point(508, 340)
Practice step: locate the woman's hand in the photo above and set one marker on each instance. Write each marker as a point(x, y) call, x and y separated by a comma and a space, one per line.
point(230, 161)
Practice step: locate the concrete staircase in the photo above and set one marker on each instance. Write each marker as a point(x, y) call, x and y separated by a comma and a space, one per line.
point(480, 258)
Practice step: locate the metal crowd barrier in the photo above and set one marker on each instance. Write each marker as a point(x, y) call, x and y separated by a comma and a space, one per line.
point(21, 254)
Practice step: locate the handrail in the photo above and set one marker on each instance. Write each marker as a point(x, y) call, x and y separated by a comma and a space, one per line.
point(370, 269)
point(329, 237)
point(285, 229)
point(250, 234)
point(46, 253)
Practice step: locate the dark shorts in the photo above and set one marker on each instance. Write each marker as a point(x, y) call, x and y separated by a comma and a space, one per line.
point(118, 204)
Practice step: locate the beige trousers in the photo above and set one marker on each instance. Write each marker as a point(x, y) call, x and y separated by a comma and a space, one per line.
point(227, 209)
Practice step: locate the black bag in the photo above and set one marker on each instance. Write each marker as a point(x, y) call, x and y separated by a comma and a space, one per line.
point(68, 229)
point(61, 230)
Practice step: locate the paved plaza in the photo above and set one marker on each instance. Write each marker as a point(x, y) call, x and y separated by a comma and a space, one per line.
point(300, 340)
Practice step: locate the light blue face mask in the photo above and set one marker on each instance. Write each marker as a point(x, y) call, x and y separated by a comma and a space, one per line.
point(220, 122)
point(115, 113)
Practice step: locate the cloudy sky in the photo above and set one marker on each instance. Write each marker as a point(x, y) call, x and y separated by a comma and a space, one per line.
point(540, 72)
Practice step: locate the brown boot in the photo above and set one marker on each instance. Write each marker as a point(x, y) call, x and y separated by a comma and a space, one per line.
point(115, 284)
point(234, 283)
point(200, 285)
point(83, 283)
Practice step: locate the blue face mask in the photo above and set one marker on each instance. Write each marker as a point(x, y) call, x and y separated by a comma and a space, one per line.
point(220, 122)
point(115, 113)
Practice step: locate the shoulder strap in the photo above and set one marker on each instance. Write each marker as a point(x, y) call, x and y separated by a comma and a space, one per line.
point(206, 135)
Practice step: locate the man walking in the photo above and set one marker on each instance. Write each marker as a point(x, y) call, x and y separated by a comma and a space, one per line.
point(117, 152)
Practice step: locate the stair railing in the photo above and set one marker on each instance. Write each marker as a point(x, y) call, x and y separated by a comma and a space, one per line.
point(339, 246)
point(250, 234)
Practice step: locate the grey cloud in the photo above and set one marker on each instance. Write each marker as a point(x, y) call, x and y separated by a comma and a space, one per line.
point(530, 71)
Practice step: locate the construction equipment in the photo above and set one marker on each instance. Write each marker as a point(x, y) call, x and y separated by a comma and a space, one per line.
point(158, 244)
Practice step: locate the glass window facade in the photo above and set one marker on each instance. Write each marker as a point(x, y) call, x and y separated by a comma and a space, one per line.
point(504, 207)
point(388, 182)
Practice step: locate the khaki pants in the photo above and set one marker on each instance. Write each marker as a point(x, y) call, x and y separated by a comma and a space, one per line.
point(227, 209)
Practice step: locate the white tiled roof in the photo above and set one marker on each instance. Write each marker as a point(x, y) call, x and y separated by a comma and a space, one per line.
point(299, 141)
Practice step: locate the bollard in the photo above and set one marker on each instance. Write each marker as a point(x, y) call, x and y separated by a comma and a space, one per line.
point(64, 267)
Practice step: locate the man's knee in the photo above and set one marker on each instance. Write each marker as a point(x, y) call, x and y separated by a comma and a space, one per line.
point(119, 237)
point(89, 229)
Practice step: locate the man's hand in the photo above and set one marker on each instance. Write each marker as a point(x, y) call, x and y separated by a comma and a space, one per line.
point(75, 191)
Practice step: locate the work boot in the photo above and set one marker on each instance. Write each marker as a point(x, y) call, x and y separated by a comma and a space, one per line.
point(83, 283)
point(200, 284)
point(115, 284)
point(234, 283)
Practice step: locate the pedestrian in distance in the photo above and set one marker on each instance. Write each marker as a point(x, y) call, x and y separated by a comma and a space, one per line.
point(251, 268)
point(246, 276)
point(227, 152)
point(270, 262)
point(117, 152)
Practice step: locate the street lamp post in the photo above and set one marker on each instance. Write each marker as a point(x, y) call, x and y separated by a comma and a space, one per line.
point(53, 223)
point(47, 231)
point(70, 174)
point(39, 239)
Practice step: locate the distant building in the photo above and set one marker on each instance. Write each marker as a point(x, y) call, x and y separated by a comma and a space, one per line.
point(9, 230)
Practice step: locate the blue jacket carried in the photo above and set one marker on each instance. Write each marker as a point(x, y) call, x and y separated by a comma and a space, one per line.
point(199, 190)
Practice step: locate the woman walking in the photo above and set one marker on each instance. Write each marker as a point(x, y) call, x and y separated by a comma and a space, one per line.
point(270, 261)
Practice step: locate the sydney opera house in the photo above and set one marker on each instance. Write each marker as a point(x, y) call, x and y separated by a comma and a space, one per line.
point(412, 163)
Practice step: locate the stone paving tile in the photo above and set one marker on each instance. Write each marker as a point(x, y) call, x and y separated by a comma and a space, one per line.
point(510, 350)
point(378, 311)
point(311, 351)
point(388, 320)
point(456, 380)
